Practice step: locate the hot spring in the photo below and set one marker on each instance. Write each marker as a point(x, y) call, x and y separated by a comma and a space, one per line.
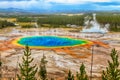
point(49, 42)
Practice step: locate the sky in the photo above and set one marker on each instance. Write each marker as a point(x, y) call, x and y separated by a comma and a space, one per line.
point(61, 4)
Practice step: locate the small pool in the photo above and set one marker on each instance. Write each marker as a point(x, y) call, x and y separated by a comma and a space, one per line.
point(49, 41)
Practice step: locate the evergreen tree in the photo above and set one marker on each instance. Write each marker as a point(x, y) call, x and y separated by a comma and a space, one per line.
point(112, 72)
point(43, 71)
point(0, 60)
point(70, 76)
point(0, 63)
point(52, 79)
point(27, 72)
point(0, 70)
point(82, 75)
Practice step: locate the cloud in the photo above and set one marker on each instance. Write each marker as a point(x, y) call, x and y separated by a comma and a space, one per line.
point(107, 8)
point(47, 4)
point(49, 1)
point(75, 1)
point(108, 3)
point(23, 4)
point(42, 3)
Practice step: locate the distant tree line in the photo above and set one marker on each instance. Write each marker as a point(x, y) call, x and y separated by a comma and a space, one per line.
point(63, 20)
point(25, 19)
point(113, 20)
point(55, 20)
point(5, 23)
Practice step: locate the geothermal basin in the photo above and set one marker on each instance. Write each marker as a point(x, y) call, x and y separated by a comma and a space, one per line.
point(62, 51)
point(49, 42)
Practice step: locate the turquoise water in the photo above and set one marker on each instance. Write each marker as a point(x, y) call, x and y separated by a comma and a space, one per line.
point(49, 41)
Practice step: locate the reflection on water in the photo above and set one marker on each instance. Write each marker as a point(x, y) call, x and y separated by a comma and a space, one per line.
point(94, 26)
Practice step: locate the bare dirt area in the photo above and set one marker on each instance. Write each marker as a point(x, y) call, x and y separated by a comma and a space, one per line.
point(63, 59)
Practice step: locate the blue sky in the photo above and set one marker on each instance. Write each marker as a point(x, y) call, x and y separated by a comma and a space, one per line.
point(61, 4)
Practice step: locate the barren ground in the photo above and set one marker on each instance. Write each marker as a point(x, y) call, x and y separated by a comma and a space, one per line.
point(60, 60)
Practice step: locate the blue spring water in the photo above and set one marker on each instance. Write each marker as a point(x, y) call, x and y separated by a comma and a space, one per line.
point(49, 41)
